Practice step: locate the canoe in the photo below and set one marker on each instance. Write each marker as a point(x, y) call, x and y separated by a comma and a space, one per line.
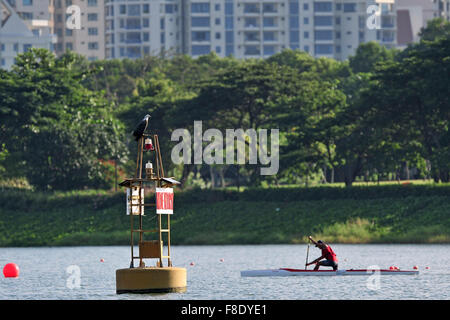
point(289, 272)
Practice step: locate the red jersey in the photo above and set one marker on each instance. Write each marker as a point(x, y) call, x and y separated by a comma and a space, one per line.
point(329, 254)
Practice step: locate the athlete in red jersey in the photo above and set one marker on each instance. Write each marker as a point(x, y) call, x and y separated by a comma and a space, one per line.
point(327, 254)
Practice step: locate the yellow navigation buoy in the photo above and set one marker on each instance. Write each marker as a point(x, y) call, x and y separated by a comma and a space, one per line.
point(163, 277)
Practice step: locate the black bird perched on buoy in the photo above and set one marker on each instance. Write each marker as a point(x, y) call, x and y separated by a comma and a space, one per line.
point(141, 127)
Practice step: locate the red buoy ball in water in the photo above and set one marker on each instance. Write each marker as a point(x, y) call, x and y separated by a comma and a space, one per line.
point(11, 270)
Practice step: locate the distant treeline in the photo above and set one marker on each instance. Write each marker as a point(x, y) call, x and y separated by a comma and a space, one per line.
point(387, 214)
point(382, 115)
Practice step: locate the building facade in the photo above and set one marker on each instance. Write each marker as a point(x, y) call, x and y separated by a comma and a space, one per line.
point(85, 36)
point(23, 28)
point(260, 28)
point(140, 27)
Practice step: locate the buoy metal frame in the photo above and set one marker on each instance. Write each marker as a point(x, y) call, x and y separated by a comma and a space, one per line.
point(159, 278)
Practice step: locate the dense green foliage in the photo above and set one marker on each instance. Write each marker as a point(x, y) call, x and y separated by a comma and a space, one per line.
point(381, 115)
point(274, 215)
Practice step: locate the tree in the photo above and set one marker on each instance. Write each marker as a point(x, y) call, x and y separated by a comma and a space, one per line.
point(60, 129)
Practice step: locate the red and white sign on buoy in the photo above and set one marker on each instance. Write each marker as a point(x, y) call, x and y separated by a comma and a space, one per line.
point(164, 200)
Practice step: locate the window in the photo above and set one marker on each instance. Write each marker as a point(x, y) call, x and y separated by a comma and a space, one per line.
point(145, 8)
point(145, 23)
point(133, 37)
point(26, 47)
point(251, 36)
point(269, 36)
point(218, 49)
point(252, 50)
point(134, 10)
point(323, 6)
point(134, 52)
point(305, 20)
point(92, 3)
point(92, 45)
point(133, 23)
point(306, 35)
point(146, 36)
point(293, 22)
point(293, 8)
point(92, 31)
point(199, 50)
point(217, 8)
point(217, 21)
point(306, 6)
point(3, 47)
point(69, 46)
point(27, 2)
point(59, 18)
point(123, 9)
point(294, 36)
point(251, 22)
point(251, 8)
point(338, 6)
point(269, 50)
point(323, 21)
point(269, 7)
point(294, 46)
point(324, 48)
point(170, 8)
point(229, 50)
point(16, 47)
point(3, 62)
point(92, 17)
point(200, 35)
point(199, 7)
point(229, 37)
point(69, 32)
point(200, 21)
point(349, 7)
point(218, 36)
point(323, 35)
point(27, 15)
point(269, 22)
point(228, 23)
point(228, 8)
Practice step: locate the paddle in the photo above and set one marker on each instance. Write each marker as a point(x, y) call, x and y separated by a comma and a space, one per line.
point(307, 254)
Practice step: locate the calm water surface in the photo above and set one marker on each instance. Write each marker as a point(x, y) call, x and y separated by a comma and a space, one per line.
point(43, 272)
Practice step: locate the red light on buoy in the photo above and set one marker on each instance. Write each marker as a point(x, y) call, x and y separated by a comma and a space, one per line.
point(391, 268)
point(222, 260)
point(102, 260)
point(11, 270)
point(415, 267)
point(148, 144)
point(427, 268)
point(192, 264)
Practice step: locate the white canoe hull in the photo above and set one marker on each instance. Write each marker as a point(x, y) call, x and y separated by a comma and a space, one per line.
point(288, 272)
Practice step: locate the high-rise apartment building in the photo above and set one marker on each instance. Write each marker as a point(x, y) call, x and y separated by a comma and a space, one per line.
point(23, 26)
point(141, 27)
point(87, 38)
point(260, 28)
point(244, 28)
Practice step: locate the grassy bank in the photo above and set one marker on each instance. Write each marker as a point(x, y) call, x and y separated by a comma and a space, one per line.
point(383, 214)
